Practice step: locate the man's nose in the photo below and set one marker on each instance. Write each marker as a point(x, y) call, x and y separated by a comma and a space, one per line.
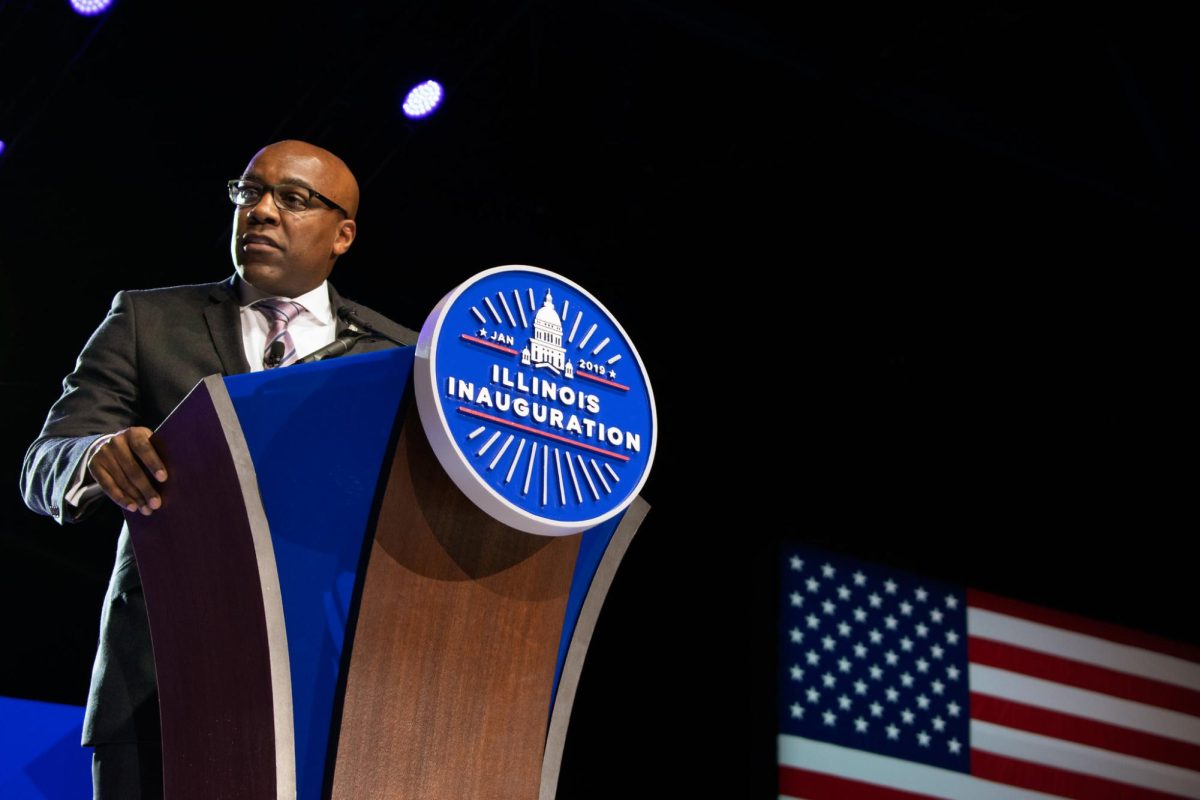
point(265, 210)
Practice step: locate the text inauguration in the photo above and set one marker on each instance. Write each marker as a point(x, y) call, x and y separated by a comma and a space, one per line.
point(522, 397)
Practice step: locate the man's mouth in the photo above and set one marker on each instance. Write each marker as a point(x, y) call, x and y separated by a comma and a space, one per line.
point(254, 241)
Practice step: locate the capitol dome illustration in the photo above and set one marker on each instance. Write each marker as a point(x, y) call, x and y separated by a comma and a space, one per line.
point(545, 349)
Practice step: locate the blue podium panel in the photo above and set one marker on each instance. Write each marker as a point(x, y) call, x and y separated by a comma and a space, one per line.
point(318, 435)
point(592, 546)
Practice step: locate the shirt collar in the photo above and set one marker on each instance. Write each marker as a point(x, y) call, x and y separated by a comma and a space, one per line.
point(316, 301)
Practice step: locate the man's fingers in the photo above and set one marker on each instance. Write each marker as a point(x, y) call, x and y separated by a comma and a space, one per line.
point(139, 442)
point(112, 488)
point(136, 482)
point(122, 465)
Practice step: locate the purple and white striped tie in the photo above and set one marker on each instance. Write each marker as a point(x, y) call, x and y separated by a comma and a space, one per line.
point(279, 313)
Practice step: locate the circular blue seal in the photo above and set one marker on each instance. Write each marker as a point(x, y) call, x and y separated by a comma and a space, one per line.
point(535, 401)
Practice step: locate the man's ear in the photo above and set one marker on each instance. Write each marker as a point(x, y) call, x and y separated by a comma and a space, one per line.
point(345, 236)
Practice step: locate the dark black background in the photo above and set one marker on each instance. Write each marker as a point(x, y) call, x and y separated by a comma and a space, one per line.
point(909, 284)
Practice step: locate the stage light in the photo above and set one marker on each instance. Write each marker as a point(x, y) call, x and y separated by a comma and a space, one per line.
point(1, 147)
point(90, 8)
point(423, 99)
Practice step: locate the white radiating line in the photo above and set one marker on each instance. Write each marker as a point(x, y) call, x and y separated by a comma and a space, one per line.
point(587, 336)
point(500, 452)
point(600, 475)
point(566, 305)
point(611, 473)
point(488, 301)
point(1084, 703)
point(574, 480)
point(575, 327)
point(532, 302)
point(895, 773)
point(504, 303)
point(521, 308)
point(516, 460)
point(600, 346)
point(529, 472)
point(1081, 647)
point(614, 359)
point(488, 444)
point(475, 311)
point(475, 432)
point(545, 473)
point(562, 491)
point(1083, 759)
point(591, 485)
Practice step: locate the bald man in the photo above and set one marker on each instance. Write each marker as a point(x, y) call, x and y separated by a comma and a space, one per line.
point(295, 205)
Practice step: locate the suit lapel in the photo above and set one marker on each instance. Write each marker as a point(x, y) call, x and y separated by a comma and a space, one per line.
point(225, 327)
point(336, 302)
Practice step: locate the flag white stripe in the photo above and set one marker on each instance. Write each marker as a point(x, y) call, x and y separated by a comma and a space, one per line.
point(1084, 703)
point(1081, 647)
point(1084, 759)
point(895, 773)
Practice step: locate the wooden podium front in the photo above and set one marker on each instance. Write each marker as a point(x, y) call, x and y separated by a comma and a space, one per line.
point(331, 617)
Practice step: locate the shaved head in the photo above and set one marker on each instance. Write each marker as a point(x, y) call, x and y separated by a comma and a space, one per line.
point(337, 181)
point(289, 252)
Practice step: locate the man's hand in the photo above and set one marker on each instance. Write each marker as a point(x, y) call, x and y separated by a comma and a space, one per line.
point(123, 467)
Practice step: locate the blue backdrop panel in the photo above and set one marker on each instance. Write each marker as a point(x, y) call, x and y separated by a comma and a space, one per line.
point(318, 435)
point(40, 755)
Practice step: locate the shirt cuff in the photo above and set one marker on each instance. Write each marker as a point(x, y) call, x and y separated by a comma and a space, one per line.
point(83, 488)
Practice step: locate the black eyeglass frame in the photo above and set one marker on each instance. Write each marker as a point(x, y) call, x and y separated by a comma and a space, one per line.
point(233, 187)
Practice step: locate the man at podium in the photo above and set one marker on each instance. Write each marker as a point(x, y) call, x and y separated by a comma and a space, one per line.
point(295, 207)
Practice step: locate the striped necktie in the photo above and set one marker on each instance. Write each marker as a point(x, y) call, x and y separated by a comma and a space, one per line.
point(279, 312)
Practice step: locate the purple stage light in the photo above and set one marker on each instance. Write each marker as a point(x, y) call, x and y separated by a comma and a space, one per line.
point(90, 8)
point(1, 147)
point(422, 99)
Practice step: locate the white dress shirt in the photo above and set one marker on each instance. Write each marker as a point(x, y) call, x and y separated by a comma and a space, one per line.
point(311, 330)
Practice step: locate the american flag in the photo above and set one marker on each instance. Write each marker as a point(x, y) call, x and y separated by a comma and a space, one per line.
point(894, 686)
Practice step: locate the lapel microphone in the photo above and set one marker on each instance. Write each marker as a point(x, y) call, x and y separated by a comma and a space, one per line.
point(274, 355)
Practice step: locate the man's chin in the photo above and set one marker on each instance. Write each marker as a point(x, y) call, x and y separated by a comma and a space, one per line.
point(269, 278)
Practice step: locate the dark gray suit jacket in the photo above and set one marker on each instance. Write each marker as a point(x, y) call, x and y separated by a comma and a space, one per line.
point(149, 352)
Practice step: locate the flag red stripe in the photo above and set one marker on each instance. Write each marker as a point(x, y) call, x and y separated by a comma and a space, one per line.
point(1071, 622)
point(1053, 780)
point(819, 786)
point(1012, 714)
point(1084, 676)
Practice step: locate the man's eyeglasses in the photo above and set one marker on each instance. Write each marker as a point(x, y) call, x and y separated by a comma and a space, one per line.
point(288, 196)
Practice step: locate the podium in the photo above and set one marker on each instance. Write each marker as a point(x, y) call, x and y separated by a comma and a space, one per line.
point(332, 617)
